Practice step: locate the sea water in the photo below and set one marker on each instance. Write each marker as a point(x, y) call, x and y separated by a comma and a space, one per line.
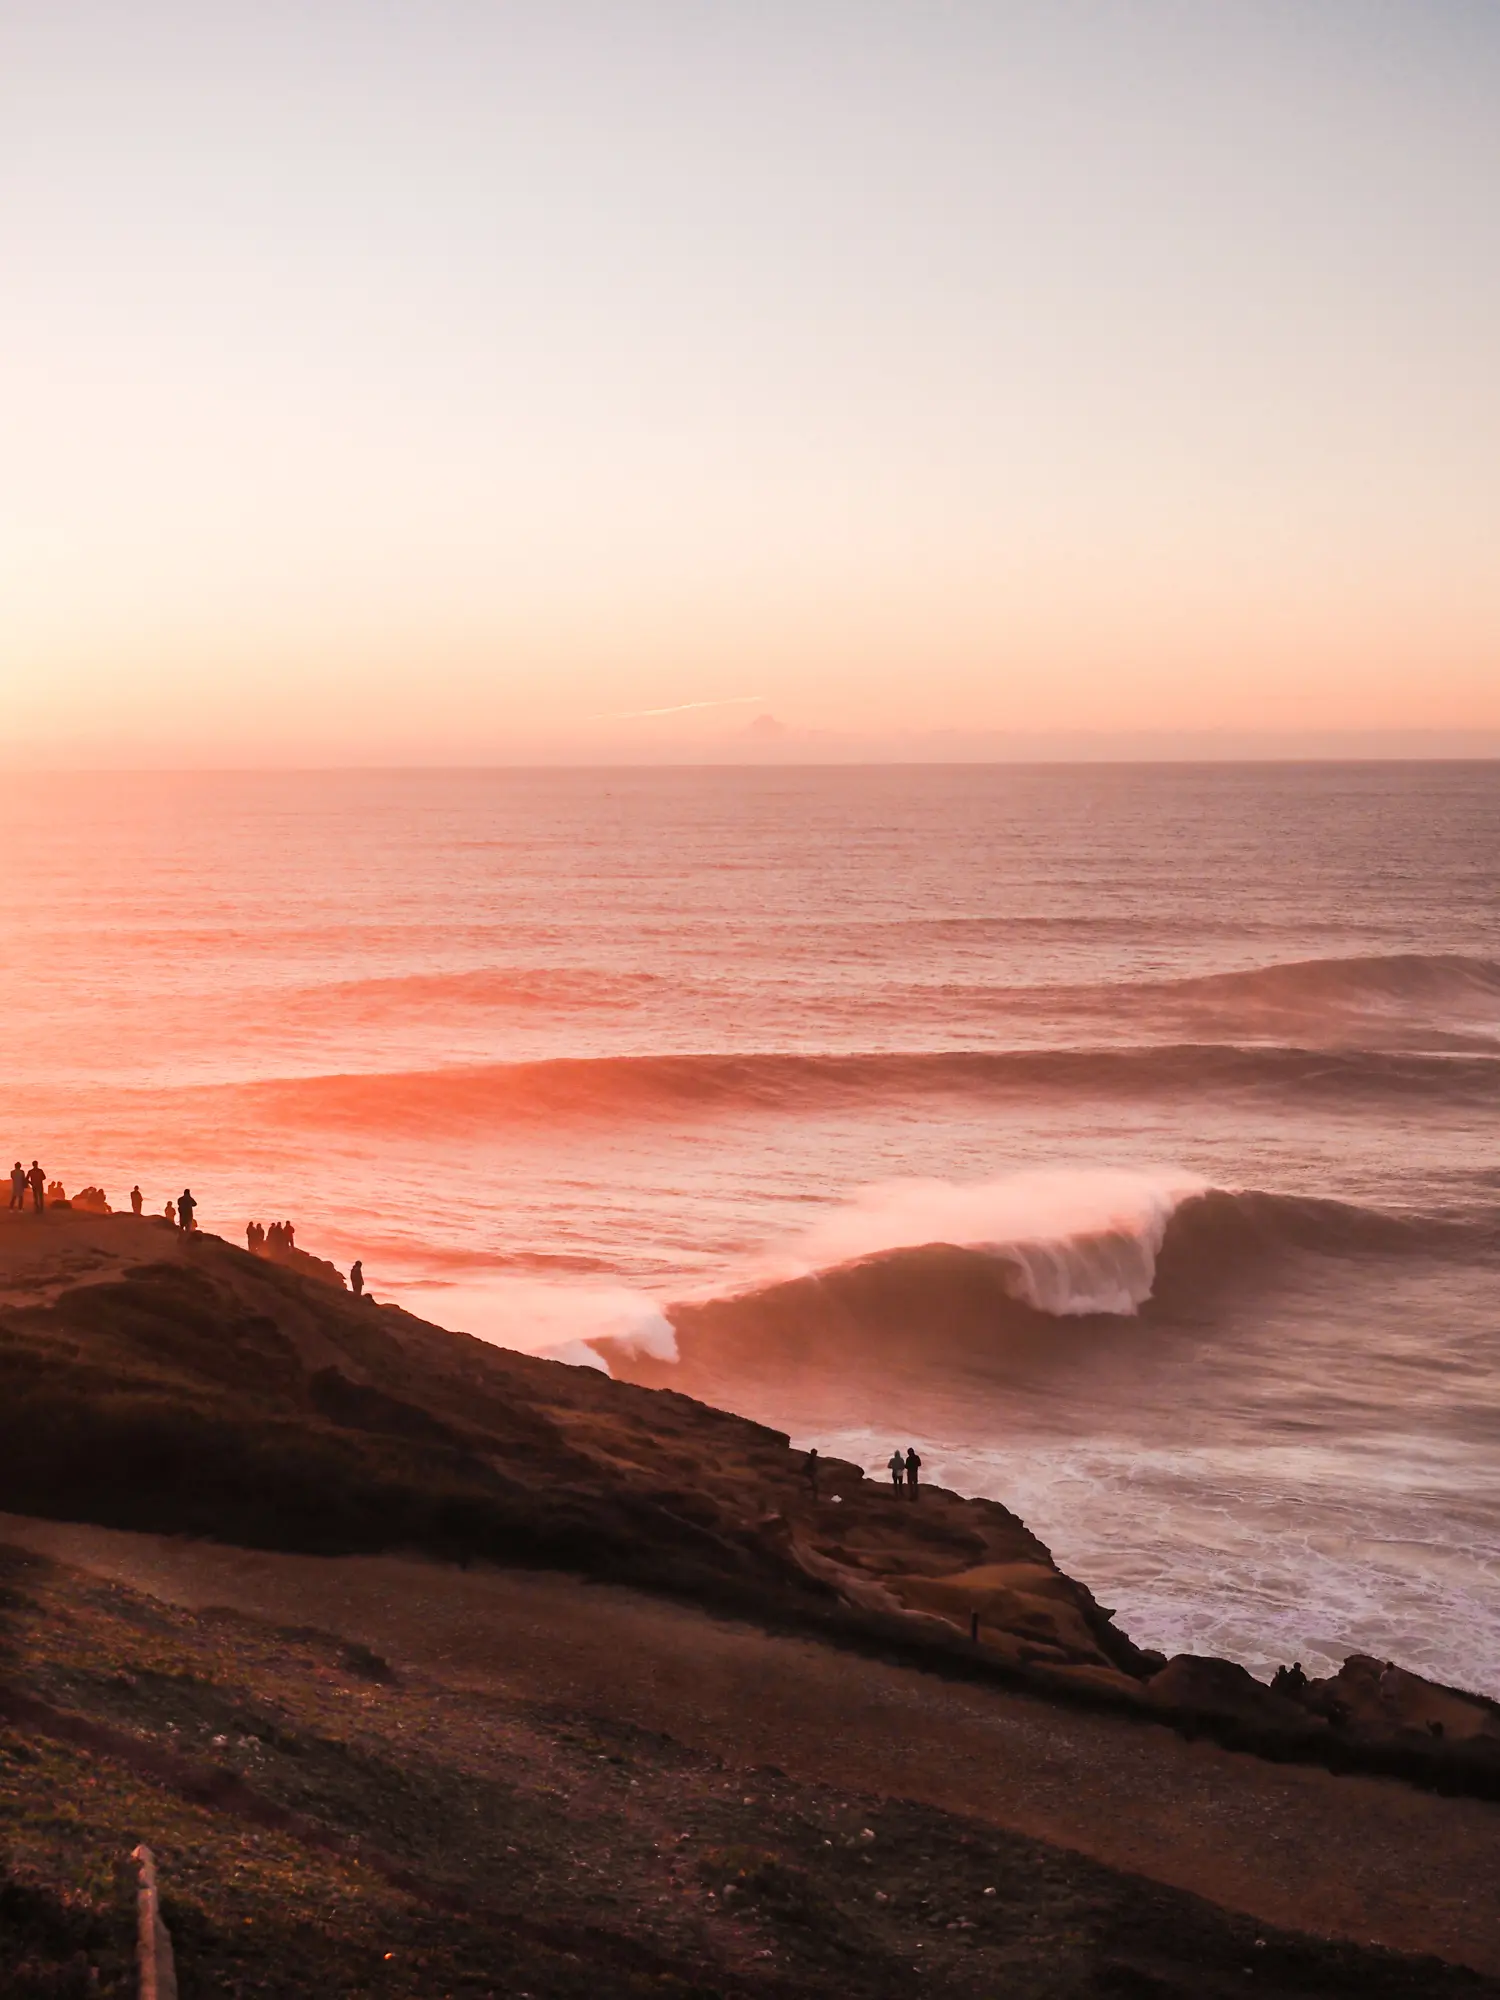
point(1206, 1059)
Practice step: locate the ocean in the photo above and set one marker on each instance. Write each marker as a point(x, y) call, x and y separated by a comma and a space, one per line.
point(1123, 1137)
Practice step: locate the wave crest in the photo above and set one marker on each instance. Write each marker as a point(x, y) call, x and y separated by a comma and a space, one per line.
point(934, 1277)
point(473, 1098)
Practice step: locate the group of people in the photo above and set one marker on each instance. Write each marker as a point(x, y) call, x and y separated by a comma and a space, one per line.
point(21, 1180)
point(904, 1471)
point(179, 1213)
point(261, 1242)
point(281, 1238)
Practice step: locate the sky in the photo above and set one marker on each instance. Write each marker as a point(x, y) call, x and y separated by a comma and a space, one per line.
point(462, 381)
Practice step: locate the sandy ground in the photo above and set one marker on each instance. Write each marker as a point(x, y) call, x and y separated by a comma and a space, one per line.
point(1358, 1858)
point(43, 1255)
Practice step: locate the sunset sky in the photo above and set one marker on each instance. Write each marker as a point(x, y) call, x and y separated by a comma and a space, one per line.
point(420, 382)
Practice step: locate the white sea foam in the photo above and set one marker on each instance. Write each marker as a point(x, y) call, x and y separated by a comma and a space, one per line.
point(553, 1320)
point(1080, 1240)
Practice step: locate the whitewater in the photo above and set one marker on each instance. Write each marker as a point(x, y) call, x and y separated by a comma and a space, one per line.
point(1125, 1138)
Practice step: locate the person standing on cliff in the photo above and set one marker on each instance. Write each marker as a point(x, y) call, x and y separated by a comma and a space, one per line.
point(357, 1278)
point(18, 1186)
point(811, 1469)
point(913, 1467)
point(137, 1200)
point(37, 1181)
point(898, 1468)
point(185, 1207)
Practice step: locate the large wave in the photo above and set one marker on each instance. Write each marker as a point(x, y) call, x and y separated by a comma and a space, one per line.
point(922, 1268)
point(470, 1098)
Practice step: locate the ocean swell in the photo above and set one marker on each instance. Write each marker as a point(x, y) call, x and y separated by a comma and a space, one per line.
point(468, 1099)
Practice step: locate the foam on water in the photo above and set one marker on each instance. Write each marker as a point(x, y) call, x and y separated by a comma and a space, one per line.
point(1081, 1239)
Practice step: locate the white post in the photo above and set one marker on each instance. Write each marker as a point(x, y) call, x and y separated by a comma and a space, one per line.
point(158, 1975)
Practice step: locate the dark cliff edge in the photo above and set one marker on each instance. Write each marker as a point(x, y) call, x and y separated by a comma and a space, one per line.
point(182, 1386)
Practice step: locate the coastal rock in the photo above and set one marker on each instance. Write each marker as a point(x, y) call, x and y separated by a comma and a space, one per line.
point(1194, 1686)
point(1380, 1699)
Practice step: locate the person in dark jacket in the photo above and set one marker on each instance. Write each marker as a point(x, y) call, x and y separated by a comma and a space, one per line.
point(913, 1467)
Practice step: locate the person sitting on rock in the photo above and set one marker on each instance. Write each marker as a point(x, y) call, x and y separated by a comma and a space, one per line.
point(18, 1186)
point(898, 1468)
point(913, 1467)
point(169, 1213)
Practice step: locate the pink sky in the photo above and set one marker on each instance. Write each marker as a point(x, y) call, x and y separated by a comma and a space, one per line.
point(452, 382)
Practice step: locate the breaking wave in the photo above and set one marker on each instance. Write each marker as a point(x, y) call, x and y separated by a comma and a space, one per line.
point(927, 1268)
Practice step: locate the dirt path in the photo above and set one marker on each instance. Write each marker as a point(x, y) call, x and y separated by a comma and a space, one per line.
point(1353, 1857)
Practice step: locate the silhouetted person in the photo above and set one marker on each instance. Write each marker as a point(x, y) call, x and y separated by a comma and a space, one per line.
point(136, 1200)
point(18, 1186)
point(913, 1467)
point(898, 1468)
point(170, 1212)
point(38, 1183)
point(185, 1207)
point(357, 1278)
point(250, 1237)
point(275, 1237)
point(811, 1470)
point(288, 1236)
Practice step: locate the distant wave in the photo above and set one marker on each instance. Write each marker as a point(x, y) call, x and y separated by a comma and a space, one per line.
point(482, 988)
point(1404, 1001)
point(1356, 999)
point(1403, 977)
point(468, 1098)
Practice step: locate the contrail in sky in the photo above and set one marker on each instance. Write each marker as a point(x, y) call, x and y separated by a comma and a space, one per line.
point(678, 708)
